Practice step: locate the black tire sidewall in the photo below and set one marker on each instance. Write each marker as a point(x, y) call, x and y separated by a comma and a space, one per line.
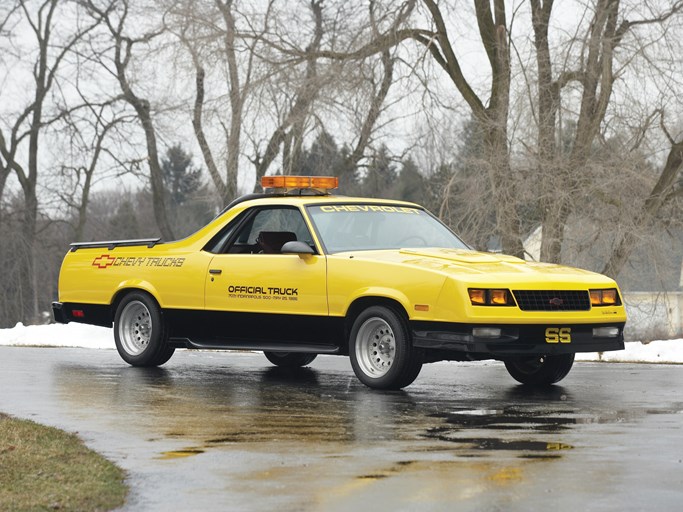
point(553, 370)
point(407, 363)
point(157, 351)
point(289, 359)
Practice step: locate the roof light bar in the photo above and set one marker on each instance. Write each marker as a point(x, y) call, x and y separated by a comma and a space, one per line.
point(300, 182)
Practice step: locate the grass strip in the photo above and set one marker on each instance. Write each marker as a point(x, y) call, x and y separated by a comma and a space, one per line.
point(44, 468)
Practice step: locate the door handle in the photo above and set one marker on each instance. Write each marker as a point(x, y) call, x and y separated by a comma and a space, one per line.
point(215, 271)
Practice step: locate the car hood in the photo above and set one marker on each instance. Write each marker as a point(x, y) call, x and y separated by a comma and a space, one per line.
point(474, 265)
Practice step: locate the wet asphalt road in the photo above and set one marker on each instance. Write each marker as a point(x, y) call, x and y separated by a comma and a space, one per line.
point(225, 431)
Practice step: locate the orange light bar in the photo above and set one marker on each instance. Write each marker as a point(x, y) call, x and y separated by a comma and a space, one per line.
point(316, 182)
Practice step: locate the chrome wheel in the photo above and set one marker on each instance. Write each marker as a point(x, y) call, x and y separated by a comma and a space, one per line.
point(381, 351)
point(375, 347)
point(135, 328)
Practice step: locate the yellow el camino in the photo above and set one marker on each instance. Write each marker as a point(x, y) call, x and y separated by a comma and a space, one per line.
point(298, 272)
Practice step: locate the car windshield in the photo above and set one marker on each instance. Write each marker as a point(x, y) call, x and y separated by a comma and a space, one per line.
point(366, 227)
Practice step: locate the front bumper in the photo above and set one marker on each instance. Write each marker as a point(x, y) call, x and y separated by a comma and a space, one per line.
point(514, 340)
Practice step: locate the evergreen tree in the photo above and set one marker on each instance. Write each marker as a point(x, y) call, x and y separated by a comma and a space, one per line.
point(324, 158)
point(181, 179)
point(380, 176)
point(124, 223)
point(189, 201)
point(410, 185)
point(470, 210)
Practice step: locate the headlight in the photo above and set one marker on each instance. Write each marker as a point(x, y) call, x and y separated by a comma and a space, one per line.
point(490, 297)
point(607, 297)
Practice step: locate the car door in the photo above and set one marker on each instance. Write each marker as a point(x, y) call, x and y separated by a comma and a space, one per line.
point(250, 275)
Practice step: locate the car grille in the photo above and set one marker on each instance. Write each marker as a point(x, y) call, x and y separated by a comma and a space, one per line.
point(552, 300)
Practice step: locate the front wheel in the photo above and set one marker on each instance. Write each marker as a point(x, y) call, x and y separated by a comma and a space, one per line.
point(540, 370)
point(140, 333)
point(381, 350)
point(289, 359)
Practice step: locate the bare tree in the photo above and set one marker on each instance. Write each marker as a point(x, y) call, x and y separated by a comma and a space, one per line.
point(92, 131)
point(301, 104)
point(115, 16)
point(216, 45)
point(595, 75)
point(492, 115)
point(646, 216)
point(279, 74)
point(26, 129)
point(362, 76)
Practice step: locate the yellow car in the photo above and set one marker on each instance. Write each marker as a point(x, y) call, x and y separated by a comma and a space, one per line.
point(297, 272)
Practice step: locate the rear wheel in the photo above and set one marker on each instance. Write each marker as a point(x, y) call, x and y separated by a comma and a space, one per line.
point(381, 351)
point(140, 333)
point(540, 370)
point(290, 359)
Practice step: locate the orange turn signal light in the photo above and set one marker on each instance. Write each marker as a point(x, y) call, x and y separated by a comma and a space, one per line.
point(289, 182)
point(490, 297)
point(499, 297)
point(477, 296)
point(608, 297)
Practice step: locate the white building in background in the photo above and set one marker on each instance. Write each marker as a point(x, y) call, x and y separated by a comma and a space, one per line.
point(532, 245)
point(651, 314)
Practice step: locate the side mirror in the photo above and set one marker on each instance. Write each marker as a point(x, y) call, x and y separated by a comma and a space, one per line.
point(296, 247)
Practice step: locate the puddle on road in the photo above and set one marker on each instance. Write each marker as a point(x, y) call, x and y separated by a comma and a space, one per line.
point(221, 408)
point(180, 454)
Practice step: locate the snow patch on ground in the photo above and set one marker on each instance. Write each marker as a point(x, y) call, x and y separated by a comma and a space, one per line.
point(58, 335)
point(660, 351)
point(90, 336)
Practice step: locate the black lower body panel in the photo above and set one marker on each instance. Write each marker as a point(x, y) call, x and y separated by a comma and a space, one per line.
point(256, 331)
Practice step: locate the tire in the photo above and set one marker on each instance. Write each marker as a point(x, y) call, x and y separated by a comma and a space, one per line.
point(290, 359)
point(140, 332)
point(540, 370)
point(381, 350)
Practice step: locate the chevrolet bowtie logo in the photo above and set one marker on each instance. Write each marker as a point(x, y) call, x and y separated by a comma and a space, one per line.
point(103, 261)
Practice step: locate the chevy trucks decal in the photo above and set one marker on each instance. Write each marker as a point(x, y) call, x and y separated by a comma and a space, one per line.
point(106, 261)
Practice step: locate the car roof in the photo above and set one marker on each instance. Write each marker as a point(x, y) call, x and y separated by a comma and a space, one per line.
point(267, 199)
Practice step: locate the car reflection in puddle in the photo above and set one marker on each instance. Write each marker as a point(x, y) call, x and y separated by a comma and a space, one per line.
point(228, 406)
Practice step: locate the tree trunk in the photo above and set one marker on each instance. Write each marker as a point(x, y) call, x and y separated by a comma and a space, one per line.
point(628, 240)
point(142, 108)
point(155, 178)
point(236, 101)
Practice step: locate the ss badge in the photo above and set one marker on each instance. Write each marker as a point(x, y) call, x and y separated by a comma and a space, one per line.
point(558, 335)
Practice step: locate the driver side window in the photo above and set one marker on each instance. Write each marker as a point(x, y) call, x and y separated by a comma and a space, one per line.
point(268, 230)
